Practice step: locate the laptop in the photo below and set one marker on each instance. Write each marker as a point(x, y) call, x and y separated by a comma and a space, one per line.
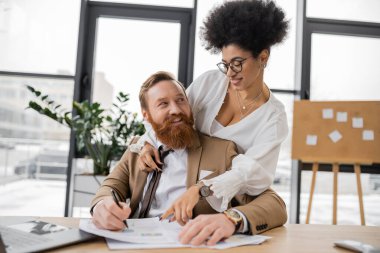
point(27, 234)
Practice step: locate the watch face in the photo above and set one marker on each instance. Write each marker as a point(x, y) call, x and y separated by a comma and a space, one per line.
point(233, 214)
point(205, 191)
point(234, 217)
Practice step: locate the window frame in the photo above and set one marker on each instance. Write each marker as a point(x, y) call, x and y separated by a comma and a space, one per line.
point(90, 11)
point(312, 25)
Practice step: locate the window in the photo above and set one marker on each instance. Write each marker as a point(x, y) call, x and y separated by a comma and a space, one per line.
point(354, 10)
point(340, 62)
point(171, 3)
point(38, 42)
point(33, 149)
point(38, 36)
point(344, 68)
point(114, 45)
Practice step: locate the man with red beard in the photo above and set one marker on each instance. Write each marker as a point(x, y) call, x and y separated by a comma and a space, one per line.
point(190, 156)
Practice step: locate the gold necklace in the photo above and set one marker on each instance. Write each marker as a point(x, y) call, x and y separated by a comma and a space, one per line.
point(247, 106)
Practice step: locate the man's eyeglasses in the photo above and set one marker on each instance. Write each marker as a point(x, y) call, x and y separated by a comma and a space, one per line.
point(236, 65)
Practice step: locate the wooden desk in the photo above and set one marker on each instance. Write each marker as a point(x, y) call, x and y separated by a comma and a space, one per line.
point(291, 238)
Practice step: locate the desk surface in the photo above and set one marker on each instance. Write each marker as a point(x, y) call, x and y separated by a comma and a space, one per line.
point(291, 238)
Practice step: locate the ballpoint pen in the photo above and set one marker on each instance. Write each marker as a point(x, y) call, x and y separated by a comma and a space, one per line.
point(118, 204)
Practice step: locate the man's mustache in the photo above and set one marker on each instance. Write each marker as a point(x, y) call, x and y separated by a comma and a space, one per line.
point(174, 118)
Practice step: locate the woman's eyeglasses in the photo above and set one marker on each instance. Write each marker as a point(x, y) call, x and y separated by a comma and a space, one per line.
point(236, 65)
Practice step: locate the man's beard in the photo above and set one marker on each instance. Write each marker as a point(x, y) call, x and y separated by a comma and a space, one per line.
point(175, 136)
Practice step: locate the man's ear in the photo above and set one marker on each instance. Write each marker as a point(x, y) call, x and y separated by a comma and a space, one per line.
point(145, 114)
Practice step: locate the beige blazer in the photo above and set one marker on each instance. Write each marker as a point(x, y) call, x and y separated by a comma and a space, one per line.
point(263, 212)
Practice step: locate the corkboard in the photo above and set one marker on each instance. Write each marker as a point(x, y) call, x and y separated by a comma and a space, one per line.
point(351, 148)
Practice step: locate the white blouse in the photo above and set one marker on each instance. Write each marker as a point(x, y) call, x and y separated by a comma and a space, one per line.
point(258, 137)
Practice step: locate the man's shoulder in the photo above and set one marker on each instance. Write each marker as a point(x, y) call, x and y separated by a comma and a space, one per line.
point(206, 140)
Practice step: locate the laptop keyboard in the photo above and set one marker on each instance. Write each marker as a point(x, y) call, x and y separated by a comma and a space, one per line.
point(19, 239)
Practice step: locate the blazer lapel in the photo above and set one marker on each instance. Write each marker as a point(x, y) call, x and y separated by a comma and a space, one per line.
point(193, 160)
point(138, 191)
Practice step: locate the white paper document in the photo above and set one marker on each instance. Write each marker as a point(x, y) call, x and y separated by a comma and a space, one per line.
point(335, 136)
point(149, 230)
point(368, 135)
point(233, 241)
point(151, 233)
point(311, 140)
point(341, 116)
point(328, 113)
point(357, 122)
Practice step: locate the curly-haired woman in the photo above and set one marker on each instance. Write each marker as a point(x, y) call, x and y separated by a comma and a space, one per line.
point(235, 103)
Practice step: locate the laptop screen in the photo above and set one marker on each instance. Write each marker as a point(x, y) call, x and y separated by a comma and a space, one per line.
point(37, 235)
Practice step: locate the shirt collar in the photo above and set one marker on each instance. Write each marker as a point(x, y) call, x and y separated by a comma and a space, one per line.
point(178, 151)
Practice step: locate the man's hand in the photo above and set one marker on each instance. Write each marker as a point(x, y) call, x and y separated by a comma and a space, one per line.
point(182, 208)
point(208, 229)
point(145, 161)
point(107, 214)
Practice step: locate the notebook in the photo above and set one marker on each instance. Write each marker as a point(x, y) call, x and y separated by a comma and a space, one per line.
point(25, 234)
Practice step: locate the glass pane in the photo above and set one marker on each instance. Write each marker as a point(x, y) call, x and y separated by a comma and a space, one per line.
point(203, 60)
point(344, 68)
point(123, 63)
point(283, 172)
point(33, 149)
point(353, 10)
point(279, 73)
point(348, 204)
point(169, 3)
point(39, 36)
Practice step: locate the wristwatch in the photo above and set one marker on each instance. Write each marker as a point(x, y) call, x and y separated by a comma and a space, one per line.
point(235, 217)
point(204, 190)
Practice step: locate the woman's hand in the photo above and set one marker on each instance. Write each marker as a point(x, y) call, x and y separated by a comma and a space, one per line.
point(145, 161)
point(182, 208)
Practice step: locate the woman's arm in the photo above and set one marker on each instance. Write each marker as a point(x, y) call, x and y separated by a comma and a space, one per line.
point(148, 137)
point(147, 148)
point(252, 172)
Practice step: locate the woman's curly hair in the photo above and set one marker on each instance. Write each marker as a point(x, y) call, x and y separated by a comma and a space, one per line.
point(254, 25)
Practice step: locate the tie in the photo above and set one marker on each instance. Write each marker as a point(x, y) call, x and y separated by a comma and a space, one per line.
point(153, 184)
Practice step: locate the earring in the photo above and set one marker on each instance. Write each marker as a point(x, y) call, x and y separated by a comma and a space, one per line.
point(264, 65)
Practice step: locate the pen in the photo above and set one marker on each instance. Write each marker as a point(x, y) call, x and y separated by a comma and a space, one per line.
point(167, 218)
point(118, 204)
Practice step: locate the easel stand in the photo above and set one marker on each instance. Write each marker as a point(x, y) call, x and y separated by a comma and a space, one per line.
point(335, 170)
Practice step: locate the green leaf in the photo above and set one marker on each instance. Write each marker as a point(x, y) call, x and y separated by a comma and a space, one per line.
point(100, 133)
point(33, 105)
point(30, 88)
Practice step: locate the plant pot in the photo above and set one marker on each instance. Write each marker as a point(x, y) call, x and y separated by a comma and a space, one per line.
point(84, 184)
point(85, 187)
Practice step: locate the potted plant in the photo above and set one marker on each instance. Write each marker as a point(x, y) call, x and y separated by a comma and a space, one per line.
point(101, 134)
